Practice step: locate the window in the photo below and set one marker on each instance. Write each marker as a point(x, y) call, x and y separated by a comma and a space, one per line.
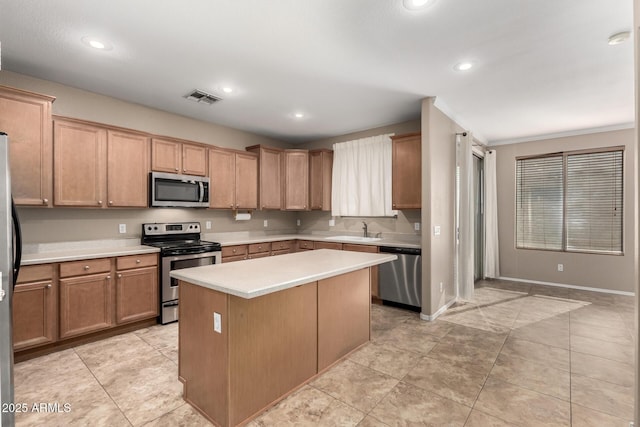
point(570, 201)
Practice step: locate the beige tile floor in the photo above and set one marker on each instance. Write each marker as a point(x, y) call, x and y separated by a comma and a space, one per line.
point(517, 354)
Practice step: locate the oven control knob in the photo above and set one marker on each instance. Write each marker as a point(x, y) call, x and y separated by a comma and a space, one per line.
point(155, 228)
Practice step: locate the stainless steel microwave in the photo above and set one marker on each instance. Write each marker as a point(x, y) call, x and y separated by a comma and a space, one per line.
point(172, 190)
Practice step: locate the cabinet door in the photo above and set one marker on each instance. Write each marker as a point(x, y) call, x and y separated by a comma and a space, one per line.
point(296, 179)
point(127, 169)
point(222, 184)
point(26, 118)
point(270, 178)
point(165, 155)
point(34, 314)
point(194, 160)
point(85, 304)
point(137, 294)
point(407, 172)
point(320, 169)
point(79, 173)
point(375, 274)
point(246, 178)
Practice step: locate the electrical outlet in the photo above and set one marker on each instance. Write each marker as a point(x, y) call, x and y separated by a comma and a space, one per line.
point(436, 230)
point(441, 287)
point(560, 267)
point(266, 222)
point(332, 223)
point(122, 228)
point(207, 225)
point(298, 222)
point(217, 322)
point(416, 226)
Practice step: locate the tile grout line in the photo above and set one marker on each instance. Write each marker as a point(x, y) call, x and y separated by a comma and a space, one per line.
point(102, 387)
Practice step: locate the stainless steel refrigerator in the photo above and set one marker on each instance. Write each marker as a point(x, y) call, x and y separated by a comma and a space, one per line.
point(10, 254)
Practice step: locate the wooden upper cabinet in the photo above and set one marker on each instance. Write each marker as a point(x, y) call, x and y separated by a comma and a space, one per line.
point(246, 180)
point(270, 176)
point(407, 171)
point(96, 166)
point(79, 169)
point(165, 155)
point(127, 169)
point(296, 179)
point(175, 156)
point(26, 118)
point(234, 179)
point(194, 160)
point(320, 169)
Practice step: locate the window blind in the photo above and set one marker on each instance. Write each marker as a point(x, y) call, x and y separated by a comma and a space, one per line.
point(571, 202)
point(539, 202)
point(594, 202)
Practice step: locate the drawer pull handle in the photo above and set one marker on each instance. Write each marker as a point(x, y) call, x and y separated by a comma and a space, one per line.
point(119, 276)
point(48, 285)
point(138, 261)
point(100, 202)
point(45, 201)
point(86, 267)
point(108, 277)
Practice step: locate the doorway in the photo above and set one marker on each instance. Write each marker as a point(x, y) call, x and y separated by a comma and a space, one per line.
point(478, 221)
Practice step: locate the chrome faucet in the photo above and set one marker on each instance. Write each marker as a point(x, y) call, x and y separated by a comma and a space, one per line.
point(365, 227)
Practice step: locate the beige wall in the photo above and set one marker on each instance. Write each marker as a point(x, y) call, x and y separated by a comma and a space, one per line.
point(319, 221)
point(438, 192)
point(590, 270)
point(62, 224)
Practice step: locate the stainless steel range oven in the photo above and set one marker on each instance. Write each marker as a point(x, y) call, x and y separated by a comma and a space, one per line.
point(180, 247)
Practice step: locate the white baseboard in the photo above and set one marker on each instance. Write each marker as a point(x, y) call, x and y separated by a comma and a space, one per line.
point(564, 285)
point(434, 316)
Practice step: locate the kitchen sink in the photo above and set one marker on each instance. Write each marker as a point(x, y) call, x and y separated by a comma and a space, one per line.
point(354, 238)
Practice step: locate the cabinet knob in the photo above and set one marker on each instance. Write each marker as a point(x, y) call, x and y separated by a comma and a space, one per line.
point(138, 261)
point(119, 275)
point(232, 205)
point(177, 169)
point(45, 201)
point(110, 202)
point(108, 277)
point(86, 267)
point(259, 247)
point(234, 251)
point(100, 202)
point(48, 285)
point(305, 207)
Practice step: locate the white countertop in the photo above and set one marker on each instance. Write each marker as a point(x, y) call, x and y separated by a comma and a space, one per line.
point(45, 253)
point(256, 277)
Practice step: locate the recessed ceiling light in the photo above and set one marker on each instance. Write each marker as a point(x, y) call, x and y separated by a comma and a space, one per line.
point(298, 115)
point(619, 38)
point(96, 43)
point(227, 89)
point(415, 4)
point(463, 66)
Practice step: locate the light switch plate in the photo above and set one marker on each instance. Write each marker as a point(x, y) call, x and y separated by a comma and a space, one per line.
point(207, 225)
point(298, 222)
point(266, 222)
point(217, 322)
point(436, 230)
point(122, 228)
point(560, 267)
point(332, 223)
point(416, 226)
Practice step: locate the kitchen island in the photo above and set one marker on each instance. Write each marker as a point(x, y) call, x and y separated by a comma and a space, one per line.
point(251, 332)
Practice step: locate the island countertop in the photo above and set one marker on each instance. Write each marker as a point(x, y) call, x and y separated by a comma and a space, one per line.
point(261, 276)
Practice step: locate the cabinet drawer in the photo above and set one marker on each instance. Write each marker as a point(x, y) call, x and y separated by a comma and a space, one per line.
point(234, 250)
point(305, 244)
point(136, 261)
point(282, 246)
point(359, 248)
point(234, 258)
point(259, 247)
point(91, 266)
point(328, 245)
point(33, 273)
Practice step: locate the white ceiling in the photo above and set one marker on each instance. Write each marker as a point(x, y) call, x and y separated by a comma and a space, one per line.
point(541, 66)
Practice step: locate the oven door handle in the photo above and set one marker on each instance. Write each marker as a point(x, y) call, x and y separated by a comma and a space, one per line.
point(218, 256)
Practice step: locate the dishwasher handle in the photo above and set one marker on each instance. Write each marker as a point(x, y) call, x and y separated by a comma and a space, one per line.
point(400, 251)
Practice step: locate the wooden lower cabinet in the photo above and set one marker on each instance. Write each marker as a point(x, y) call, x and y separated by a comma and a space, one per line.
point(327, 245)
point(35, 307)
point(86, 304)
point(375, 285)
point(137, 294)
point(305, 245)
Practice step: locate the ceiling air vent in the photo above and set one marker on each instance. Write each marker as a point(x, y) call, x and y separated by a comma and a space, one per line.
point(201, 96)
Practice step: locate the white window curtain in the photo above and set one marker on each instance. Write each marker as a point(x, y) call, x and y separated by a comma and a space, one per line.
point(465, 217)
point(491, 247)
point(361, 184)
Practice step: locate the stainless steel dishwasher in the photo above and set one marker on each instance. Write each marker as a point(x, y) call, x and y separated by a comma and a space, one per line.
point(401, 280)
